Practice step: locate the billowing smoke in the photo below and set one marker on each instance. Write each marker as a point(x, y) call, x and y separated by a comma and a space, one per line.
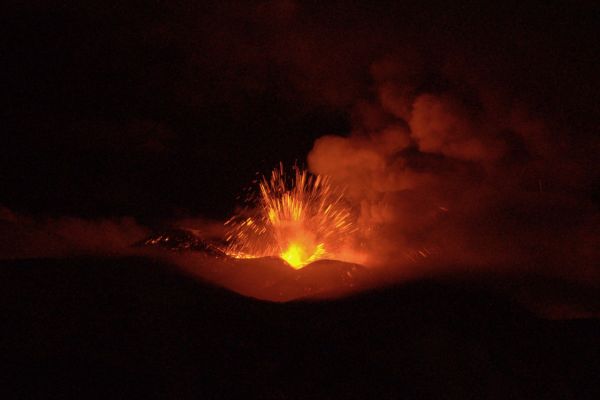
point(463, 175)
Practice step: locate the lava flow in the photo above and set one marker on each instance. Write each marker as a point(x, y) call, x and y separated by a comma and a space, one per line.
point(301, 219)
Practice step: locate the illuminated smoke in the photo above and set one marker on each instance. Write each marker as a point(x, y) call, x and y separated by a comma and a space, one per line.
point(463, 176)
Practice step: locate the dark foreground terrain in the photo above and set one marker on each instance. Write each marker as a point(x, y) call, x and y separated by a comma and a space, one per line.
point(136, 328)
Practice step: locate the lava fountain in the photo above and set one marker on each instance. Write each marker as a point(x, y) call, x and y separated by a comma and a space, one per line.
point(300, 218)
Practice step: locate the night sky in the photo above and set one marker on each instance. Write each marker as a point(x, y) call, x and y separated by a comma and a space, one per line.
point(159, 109)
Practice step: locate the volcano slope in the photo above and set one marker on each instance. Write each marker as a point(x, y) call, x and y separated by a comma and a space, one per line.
point(133, 327)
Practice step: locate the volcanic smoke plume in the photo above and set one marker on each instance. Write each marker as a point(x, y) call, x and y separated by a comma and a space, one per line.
point(463, 174)
point(458, 177)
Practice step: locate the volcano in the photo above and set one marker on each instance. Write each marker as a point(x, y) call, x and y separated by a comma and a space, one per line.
point(267, 278)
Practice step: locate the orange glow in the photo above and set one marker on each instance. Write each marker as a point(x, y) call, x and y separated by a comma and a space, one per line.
point(301, 220)
point(298, 254)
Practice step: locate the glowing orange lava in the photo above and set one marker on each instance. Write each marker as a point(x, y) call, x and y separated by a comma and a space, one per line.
point(300, 219)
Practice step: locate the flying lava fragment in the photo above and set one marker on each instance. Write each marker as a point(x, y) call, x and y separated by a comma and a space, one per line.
point(300, 219)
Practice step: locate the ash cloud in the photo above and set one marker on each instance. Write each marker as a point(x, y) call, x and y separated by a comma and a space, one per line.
point(465, 174)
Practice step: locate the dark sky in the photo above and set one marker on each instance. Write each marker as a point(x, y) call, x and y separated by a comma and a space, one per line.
point(157, 108)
